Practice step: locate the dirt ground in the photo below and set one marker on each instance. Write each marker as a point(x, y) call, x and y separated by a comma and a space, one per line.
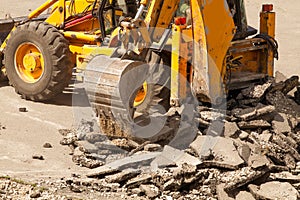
point(22, 135)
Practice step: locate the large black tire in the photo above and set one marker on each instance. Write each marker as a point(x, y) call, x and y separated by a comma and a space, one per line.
point(158, 87)
point(53, 47)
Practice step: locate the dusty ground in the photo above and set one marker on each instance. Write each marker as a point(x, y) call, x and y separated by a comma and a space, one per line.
point(22, 135)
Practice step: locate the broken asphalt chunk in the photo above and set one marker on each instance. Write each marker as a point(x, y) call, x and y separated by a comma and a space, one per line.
point(171, 156)
point(257, 91)
point(223, 149)
point(134, 161)
point(255, 124)
point(122, 176)
point(242, 177)
point(274, 190)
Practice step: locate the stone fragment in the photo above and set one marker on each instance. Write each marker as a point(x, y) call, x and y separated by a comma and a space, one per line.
point(231, 129)
point(139, 148)
point(279, 77)
point(285, 176)
point(152, 147)
point(151, 191)
point(222, 195)
point(211, 115)
point(274, 190)
point(47, 145)
point(253, 113)
point(172, 185)
point(83, 161)
point(102, 171)
point(244, 151)
point(38, 157)
point(258, 160)
point(257, 91)
point(87, 147)
point(281, 124)
point(202, 123)
point(136, 191)
point(35, 194)
point(265, 136)
point(71, 138)
point(243, 135)
point(283, 104)
point(23, 109)
point(188, 173)
point(134, 161)
point(224, 151)
point(95, 137)
point(297, 95)
point(170, 155)
point(244, 176)
point(243, 195)
point(290, 84)
point(122, 176)
point(255, 124)
point(140, 179)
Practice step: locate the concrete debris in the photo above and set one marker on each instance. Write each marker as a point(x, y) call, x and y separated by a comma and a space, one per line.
point(253, 113)
point(281, 124)
point(134, 161)
point(224, 152)
point(274, 190)
point(87, 147)
point(141, 179)
point(231, 129)
point(244, 195)
point(151, 191)
point(243, 135)
point(261, 145)
point(95, 137)
point(285, 176)
point(152, 147)
point(211, 115)
point(170, 156)
point(258, 160)
point(222, 195)
point(122, 176)
point(290, 84)
point(257, 91)
point(255, 124)
point(283, 103)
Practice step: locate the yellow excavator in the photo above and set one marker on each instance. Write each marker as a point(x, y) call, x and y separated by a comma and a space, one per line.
point(144, 54)
point(172, 49)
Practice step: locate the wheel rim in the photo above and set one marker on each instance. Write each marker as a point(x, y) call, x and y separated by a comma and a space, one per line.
point(29, 62)
point(141, 95)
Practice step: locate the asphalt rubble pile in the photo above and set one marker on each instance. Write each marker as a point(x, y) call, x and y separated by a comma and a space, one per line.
point(256, 156)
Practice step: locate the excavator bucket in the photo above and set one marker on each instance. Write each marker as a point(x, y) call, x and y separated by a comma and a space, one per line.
point(112, 85)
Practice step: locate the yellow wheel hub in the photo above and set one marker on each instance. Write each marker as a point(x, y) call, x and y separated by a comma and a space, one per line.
point(29, 62)
point(141, 95)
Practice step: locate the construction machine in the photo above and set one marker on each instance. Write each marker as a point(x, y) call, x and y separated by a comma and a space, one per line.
point(207, 46)
point(137, 56)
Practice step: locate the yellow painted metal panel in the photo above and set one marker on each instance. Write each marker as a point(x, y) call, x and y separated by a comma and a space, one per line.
point(267, 26)
point(200, 80)
point(175, 66)
point(219, 30)
point(41, 9)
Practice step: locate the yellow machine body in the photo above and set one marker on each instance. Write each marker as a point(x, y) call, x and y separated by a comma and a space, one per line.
point(203, 52)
